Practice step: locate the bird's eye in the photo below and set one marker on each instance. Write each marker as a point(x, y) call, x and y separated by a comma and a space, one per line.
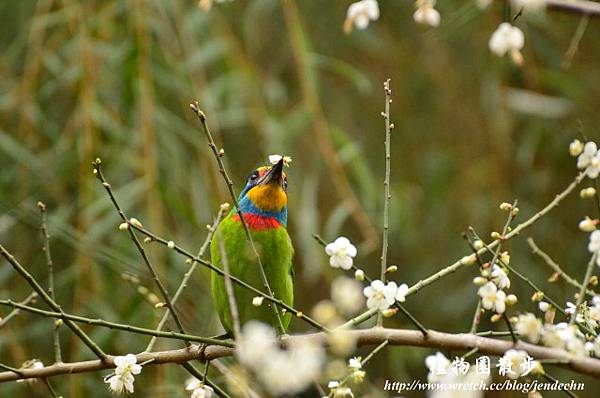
point(253, 176)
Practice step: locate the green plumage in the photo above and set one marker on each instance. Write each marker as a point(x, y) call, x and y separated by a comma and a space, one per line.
point(275, 249)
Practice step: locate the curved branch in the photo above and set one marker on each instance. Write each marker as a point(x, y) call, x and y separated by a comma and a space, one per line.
point(365, 337)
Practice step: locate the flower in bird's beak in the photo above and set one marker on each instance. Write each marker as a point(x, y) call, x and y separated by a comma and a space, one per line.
point(274, 159)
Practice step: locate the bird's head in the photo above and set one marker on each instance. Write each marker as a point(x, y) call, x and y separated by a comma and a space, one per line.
point(265, 193)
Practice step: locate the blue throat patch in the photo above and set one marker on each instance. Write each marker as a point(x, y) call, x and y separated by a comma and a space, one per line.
point(248, 207)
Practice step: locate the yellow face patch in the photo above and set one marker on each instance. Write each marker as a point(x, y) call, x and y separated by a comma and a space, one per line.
point(269, 197)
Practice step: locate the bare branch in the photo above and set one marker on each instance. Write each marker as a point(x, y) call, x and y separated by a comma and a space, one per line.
point(365, 337)
point(51, 303)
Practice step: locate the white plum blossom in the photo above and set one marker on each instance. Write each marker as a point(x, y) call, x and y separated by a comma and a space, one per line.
point(355, 363)
point(198, 389)
point(280, 371)
point(426, 14)
point(529, 5)
point(123, 378)
point(564, 336)
point(379, 295)
point(507, 39)
point(360, 13)
point(274, 159)
point(589, 160)
point(341, 253)
point(492, 298)
point(499, 277)
point(256, 343)
point(347, 294)
point(288, 372)
point(401, 293)
point(529, 327)
point(438, 365)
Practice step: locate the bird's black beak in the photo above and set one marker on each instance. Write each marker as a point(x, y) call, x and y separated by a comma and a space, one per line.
point(274, 175)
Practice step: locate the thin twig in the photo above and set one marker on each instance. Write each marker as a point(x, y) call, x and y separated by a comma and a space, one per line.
point(386, 186)
point(163, 291)
point(196, 373)
point(11, 369)
point(50, 388)
point(70, 318)
point(536, 288)
point(51, 291)
point(51, 303)
point(555, 267)
point(188, 274)
point(16, 311)
point(584, 283)
point(516, 231)
point(219, 158)
point(234, 279)
point(513, 336)
point(374, 352)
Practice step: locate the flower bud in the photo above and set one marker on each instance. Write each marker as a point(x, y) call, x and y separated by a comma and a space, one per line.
point(390, 312)
point(123, 226)
point(495, 235)
point(136, 223)
point(511, 299)
point(537, 296)
point(478, 244)
point(505, 258)
point(188, 261)
point(171, 244)
point(543, 306)
point(496, 317)
point(159, 305)
point(58, 322)
point(224, 207)
point(575, 148)
point(147, 239)
point(586, 193)
point(587, 224)
point(391, 268)
point(479, 281)
point(505, 206)
point(359, 275)
point(554, 277)
point(593, 280)
point(515, 211)
point(469, 260)
point(358, 376)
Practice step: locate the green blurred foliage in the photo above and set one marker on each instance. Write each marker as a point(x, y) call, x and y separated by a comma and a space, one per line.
point(80, 80)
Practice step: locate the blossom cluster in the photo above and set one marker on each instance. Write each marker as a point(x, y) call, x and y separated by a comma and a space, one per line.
point(281, 371)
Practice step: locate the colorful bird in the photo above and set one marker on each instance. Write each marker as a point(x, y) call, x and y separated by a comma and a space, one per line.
point(263, 203)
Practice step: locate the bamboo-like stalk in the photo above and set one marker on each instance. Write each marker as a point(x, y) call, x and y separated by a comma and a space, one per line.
point(51, 291)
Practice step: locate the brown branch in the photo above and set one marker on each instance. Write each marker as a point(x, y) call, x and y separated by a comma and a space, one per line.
point(590, 8)
point(365, 337)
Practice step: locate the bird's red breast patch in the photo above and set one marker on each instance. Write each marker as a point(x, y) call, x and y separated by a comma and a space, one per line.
point(256, 222)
